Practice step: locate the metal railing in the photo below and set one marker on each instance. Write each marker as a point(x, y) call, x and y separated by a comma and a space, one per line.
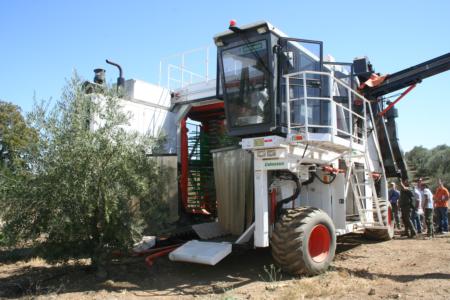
point(353, 135)
point(350, 117)
point(175, 70)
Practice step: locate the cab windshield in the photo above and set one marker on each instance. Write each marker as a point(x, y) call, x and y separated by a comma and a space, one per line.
point(246, 84)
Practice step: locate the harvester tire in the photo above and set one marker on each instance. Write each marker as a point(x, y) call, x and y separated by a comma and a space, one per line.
point(386, 215)
point(304, 241)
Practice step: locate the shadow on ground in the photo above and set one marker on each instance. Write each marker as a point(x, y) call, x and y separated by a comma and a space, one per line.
point(399, 278)
point(163, 278)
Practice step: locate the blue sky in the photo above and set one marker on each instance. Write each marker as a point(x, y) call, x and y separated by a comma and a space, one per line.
point(42, 42)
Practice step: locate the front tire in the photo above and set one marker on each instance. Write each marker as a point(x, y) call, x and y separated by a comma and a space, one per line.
point(304, 241)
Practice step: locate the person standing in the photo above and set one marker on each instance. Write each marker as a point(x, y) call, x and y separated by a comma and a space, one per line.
point(428, 208)
point(394, 195)
point(417, 207)
point(441, 204)
point(407, 205)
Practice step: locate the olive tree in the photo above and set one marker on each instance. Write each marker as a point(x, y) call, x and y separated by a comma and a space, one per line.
point(91, 187)
point(16, 137)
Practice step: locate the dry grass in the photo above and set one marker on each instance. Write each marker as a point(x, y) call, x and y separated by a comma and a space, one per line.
point(332, 284)
point(367, 271)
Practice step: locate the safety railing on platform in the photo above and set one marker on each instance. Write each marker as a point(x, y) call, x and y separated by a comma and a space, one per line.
point(344, 121)
point(188, 67)
point(357, 129)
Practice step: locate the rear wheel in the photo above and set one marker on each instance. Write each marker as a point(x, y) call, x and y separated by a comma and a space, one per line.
point(304, 241)
point(383, 234)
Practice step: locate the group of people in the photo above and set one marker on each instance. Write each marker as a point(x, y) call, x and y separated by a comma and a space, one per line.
point(418, 203)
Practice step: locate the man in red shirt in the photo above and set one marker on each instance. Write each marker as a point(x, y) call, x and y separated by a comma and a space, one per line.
point(441, 204)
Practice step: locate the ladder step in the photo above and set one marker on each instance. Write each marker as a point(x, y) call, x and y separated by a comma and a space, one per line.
point(367, 210)
point(360, 171)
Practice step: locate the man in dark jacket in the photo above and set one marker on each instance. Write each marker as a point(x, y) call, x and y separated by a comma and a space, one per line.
point(407, 206)
point(393, 196)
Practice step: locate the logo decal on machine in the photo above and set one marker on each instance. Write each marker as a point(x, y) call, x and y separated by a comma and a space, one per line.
point(273, 164)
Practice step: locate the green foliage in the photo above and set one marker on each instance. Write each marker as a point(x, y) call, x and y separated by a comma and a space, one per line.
point(91, 187)
point(2, 239)
point(434, 163)
point(272, 273)
point(419, 156)
point(17, 139)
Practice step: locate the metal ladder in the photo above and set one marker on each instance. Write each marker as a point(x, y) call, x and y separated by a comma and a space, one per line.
point(359, 188)
point(365, 194)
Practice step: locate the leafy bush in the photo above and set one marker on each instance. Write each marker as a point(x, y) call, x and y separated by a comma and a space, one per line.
point(434, 163)
point(91, 187)
point(16, 137)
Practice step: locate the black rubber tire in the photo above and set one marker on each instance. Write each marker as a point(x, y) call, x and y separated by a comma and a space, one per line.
point(291, 237)
point(382, 234)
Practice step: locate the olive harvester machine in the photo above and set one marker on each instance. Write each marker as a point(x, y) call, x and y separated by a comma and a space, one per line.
point(292, 149)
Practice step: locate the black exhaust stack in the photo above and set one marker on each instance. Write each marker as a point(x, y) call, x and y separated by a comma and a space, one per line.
point(120, 79)
point(99, 77)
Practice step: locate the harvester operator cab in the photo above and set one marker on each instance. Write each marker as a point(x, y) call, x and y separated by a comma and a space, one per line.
point(251, 63)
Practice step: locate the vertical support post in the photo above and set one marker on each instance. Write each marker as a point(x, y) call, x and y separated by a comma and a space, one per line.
point(288, 106)
point(305, 101)
point(184, 156)
point(333, 105)
point(261, 237)
point(364, 103)
point(350, 116)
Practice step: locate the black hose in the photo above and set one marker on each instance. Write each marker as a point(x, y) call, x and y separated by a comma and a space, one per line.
point(294, 196)
point(309, 181)
point(324, 182)
point(291, 198)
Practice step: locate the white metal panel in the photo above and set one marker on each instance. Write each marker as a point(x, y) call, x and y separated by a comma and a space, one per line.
point(195, 91)
point(338, 201)
point(261, 237)
point(208, 253)
point(317, 194)
point(150, 94)
point(148, 107)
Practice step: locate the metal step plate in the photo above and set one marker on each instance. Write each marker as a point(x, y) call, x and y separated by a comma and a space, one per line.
point(208, 253)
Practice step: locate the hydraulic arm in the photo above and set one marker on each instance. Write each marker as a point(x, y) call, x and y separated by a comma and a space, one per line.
point(410, 76)
point(391, 151)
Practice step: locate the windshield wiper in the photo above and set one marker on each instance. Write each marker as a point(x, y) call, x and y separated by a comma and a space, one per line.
point(255, 53)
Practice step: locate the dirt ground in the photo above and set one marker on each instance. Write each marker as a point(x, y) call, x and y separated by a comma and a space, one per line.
point(401, 268)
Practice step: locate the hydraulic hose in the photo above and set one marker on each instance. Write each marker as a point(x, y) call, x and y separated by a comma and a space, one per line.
point(294, 177)
point(291, 198)
point(325, 182)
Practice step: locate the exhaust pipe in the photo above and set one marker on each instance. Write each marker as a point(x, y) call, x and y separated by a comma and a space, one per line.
point(120, 79)
point(99, 77)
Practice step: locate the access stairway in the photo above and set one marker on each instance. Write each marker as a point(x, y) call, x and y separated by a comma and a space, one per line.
point(347, 133)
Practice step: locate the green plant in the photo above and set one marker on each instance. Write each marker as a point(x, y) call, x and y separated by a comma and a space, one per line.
point(433, 164)
point(90, 188)
point(272, 274)
point(2, 239)
point(17, 138)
